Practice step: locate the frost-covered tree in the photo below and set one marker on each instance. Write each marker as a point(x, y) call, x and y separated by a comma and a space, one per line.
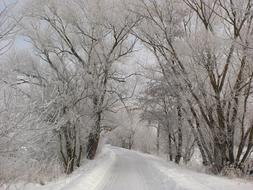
point(74, 67)
point(203, 51)
point(9, 104)
point(160, 109)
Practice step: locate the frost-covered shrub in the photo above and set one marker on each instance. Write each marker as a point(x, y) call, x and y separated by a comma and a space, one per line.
point(29, 171)
point(232, 171)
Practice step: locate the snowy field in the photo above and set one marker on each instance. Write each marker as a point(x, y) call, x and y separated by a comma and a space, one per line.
point(117, 168)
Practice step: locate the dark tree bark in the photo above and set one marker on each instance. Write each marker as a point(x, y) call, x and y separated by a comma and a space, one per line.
point(78, 161)
point(92, 146)
point(179, 135)
point(158, 139)
point(170, 147)
point(68, 147)
point(94, 137)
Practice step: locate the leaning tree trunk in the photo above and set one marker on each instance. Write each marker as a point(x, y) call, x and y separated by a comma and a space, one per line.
point(189, 150)
point(207, 158)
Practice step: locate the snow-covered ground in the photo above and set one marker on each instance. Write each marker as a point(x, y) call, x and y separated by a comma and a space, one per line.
point(121, 169)
point(87, 177)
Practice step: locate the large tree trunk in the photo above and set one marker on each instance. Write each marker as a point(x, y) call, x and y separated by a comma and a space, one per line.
point(68, 147)
point(92, 146)
point(170, 147)
point(231, 126)
point(219, 157)
point(94, 137)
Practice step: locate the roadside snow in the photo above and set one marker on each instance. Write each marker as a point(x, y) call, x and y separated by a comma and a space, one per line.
point(91, 180)
point(85, 178)
point(121, 169)
point(190, 180)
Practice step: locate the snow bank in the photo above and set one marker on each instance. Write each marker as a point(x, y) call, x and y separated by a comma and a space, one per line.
point(91, 180)
point(187, 179)
point(87, 177)
point(190, 180)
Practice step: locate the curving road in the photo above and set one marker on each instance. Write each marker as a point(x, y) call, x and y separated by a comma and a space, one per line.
point(121, 169)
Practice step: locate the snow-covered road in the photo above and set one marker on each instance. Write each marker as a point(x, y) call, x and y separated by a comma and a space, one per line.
point(121, 169)
point(131, 171)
